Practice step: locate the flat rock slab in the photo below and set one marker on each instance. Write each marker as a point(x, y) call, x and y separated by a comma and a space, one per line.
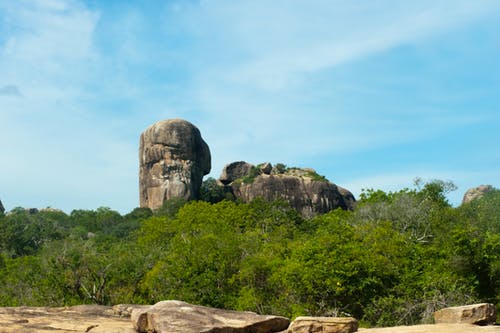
point(177, 317)
point(480, 314)
point(82, 318)
point(323, 325)
point(437, 328)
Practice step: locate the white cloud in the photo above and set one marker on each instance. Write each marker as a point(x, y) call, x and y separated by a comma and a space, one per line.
point(258, 62)
point(59, 151)
point(280, 40)
point(49, 31)
point(247, 73)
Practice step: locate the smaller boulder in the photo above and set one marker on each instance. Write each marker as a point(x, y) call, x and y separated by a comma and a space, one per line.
point(235, 170)
point(478, 314)
point(476, 193)
point(323, 324)
point(266, 168)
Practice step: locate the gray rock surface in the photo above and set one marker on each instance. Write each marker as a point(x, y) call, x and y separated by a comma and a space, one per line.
point(176, 316)
point(478, 314)
point(173, 158)
point(349, 199)
point(476, 193)
point(2, 209)
point(235, 170)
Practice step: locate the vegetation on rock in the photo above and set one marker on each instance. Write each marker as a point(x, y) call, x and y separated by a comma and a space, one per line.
point(393, 260)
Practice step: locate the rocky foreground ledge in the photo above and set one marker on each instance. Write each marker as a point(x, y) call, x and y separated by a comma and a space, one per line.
point(176, 317)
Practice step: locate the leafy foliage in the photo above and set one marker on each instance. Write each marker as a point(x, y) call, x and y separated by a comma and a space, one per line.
point(212, 192)
point(252, 174)
point(394, 260)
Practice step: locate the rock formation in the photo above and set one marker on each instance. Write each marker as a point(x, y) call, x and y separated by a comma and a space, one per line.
point(235, 170)
point(184, 317)
point(2, 209)
point(173, 160)
point(477, 314)
point(81, 318)
point(476, 193)
point(305, 190)
point(323, 324)
point(176, 316)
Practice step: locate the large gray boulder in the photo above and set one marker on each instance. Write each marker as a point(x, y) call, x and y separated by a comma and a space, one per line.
point(173, 159)
point(476, 193)
point(305, 190)
point(177, 316)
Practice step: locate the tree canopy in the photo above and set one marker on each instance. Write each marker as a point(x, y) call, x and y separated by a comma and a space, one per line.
point(393, 260)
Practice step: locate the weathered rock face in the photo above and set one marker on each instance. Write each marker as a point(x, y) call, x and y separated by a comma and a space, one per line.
point(2, 209)
point(173, 160)
point(478, 314)
point(306, 191)
point(176, 316)
point(81, 318)
point(235, 170)
point(116, 319)
point(349, 199)
point(323, 324)
point(476, 193)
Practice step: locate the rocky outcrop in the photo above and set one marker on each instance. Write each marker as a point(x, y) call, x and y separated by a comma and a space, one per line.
point(476, 193)
point(116, 319)
point(323, 324)
point(305, 190)
point(478, 314)
point(2, 209)
point(81, 318)
point(176, 316)
point(173, 160)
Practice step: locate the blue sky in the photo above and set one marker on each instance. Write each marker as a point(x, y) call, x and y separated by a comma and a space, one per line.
point(369, 93)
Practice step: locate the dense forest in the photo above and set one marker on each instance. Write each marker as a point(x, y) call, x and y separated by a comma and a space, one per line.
point(393, 260)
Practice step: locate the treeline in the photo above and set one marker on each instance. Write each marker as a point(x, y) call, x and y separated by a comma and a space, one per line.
point(393, 260)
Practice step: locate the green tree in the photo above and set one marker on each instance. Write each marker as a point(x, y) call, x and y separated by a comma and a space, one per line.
point(201, 255)
point(22, 281)
point(212, 192)
point(24, 232)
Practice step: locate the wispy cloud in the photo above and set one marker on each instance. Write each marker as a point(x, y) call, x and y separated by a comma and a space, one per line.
point(265, 72)
point(293, 39)
point(10, 90)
